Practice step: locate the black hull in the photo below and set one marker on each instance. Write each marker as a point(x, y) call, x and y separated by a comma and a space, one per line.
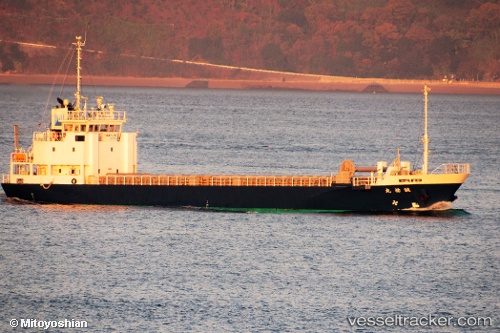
point(244, 198)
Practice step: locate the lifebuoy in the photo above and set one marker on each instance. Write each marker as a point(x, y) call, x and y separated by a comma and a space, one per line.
point(73, 181)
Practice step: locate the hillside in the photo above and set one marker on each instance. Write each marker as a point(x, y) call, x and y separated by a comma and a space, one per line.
point(402, 39)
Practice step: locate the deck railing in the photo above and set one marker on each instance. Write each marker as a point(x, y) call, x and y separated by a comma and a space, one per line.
point(364, 181)
point(452, 168)
point(212, 180)
point(93, 115)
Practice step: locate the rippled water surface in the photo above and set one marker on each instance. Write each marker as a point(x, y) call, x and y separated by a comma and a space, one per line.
point(149, 269)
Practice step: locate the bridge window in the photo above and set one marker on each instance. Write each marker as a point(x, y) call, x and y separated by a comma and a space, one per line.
point(40, 170)
point(21, 169)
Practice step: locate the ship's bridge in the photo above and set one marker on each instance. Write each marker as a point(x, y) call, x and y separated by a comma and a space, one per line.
point(102, 118)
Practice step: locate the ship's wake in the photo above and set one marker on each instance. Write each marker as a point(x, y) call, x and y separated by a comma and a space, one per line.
point(17, 201)
point(60, 207)
point(438, 206)
point(442, 209)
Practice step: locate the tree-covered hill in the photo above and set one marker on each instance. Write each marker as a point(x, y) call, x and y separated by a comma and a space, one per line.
point(360, 38)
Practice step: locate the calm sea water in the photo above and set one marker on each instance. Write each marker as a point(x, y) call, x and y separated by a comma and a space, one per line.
point(149, 269)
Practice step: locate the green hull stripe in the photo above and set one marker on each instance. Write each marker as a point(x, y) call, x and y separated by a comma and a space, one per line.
point(274, 210)
point(439, 213)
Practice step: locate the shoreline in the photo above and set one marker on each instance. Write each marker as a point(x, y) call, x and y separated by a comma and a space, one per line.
point(326, 83)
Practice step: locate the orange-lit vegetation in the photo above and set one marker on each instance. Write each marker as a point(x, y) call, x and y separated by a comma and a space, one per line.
point(359, 38)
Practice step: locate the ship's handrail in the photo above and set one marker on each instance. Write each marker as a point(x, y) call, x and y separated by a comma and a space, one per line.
point(361, 181)
point(93, 115)
point(213, 180)
point(113, 115)
point(452, 168)
point(5, 178)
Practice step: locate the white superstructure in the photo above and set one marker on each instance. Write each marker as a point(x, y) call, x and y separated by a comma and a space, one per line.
point(79, 146)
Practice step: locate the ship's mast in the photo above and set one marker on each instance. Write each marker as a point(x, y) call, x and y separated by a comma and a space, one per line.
point(16, 138)
point(78, 95)
point(425, 139)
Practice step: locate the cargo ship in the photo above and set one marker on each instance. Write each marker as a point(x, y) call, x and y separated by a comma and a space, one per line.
point(85, 157)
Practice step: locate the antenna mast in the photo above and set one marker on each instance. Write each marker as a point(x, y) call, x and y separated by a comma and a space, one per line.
point(425, 139)
point(78, 95)
point(16, 138)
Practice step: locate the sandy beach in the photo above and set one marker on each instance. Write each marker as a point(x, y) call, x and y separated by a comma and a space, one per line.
point(326, 83)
